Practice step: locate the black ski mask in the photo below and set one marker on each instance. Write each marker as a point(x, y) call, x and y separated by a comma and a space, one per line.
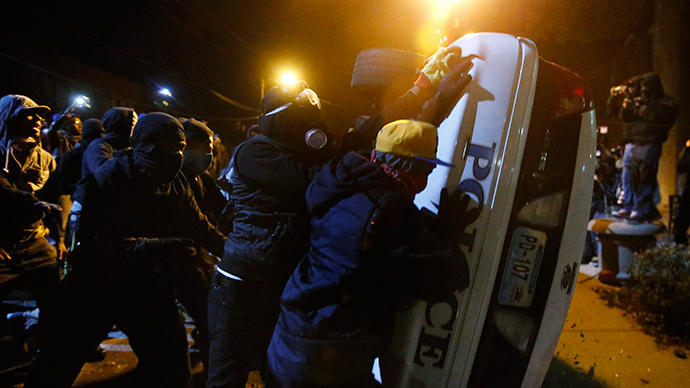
point(157, 144)
point(195, 163)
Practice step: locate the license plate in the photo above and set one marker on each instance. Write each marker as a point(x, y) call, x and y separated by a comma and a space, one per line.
point(522, 267)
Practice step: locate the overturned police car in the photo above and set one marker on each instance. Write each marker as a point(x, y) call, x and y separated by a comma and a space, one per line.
point(523, 139)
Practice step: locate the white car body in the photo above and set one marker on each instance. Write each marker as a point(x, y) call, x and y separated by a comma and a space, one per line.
point(524, 248)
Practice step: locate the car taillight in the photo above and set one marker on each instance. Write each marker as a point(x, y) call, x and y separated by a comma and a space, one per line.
point(571, 96)
point(543, 211)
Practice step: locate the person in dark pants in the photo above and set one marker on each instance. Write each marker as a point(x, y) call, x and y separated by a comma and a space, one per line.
point(69, 168)
point(27, 260)
point(118, 124)
point(648, 115)
point(269, 235)
point(195, 279)
point(139, 225)
point(369, 244)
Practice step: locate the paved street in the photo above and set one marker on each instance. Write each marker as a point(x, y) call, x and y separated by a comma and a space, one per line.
point(600, 348)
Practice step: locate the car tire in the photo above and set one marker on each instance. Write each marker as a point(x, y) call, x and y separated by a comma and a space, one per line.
point(379, 69)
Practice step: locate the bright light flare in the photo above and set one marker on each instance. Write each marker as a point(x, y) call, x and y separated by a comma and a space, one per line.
point(165, 92)
point(288, 78)
point(81, 101)
point(446, 3)
point(433, 34)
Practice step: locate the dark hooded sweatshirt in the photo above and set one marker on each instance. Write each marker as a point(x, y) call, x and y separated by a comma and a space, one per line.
point(117, 123)
point(126, 213)
point(369, 243)
point(20, 220)
point(69, 168)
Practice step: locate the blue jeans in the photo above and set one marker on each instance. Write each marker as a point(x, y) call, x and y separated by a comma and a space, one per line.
point(640, 178)
point(241, 319)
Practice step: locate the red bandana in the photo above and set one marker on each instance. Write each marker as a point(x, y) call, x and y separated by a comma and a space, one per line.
point(410, 184)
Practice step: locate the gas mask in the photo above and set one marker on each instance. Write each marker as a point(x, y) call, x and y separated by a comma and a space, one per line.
point(307, 106)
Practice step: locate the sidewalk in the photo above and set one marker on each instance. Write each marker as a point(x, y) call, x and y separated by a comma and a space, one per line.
point(604, 344)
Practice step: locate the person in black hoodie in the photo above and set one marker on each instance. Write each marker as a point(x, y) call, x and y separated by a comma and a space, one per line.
point(140, 224)
point(195, 279)
point(269, 235)
point(64, 134)
point(69, 168)
point(369, 243)
point(118, 124)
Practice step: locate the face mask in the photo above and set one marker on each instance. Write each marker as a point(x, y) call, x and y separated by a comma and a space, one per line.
point(195, 163)
point(164, 169)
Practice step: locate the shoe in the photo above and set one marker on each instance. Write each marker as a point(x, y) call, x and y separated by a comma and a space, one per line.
point(636, 217)
point(97, 355)
point(622, 213)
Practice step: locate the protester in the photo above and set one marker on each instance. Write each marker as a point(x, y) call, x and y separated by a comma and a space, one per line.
point(369, 243)
point(64, 134)
point(270, 231)
point(69, 169)
point(648, 115)
point(198, 157)
point(118, 124)
point(28, 261)
point(69, 166)
point(140, 223)
point(195, 278)
point(269, 235)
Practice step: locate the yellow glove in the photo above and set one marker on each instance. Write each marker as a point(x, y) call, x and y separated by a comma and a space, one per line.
point(437, 66)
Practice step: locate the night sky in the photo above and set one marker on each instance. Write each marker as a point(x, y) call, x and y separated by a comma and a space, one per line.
point(197, 47)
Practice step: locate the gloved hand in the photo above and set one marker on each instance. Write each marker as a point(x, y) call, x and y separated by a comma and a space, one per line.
point(448, 91)
point(180, 249)
point(454, 213)
point(437, 66)
point(49, 209)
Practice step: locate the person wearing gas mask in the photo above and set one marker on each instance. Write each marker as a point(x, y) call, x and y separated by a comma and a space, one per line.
point(195, 278)
point(140, 225)
point(269, 232)
point(369, 244)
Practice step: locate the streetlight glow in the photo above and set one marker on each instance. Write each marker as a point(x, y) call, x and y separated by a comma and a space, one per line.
point(288, 77)
point(81, 101)
point(165, 92)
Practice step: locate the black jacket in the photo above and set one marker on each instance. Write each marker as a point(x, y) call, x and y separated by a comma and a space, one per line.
point(271, 223)
point(125, 215)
